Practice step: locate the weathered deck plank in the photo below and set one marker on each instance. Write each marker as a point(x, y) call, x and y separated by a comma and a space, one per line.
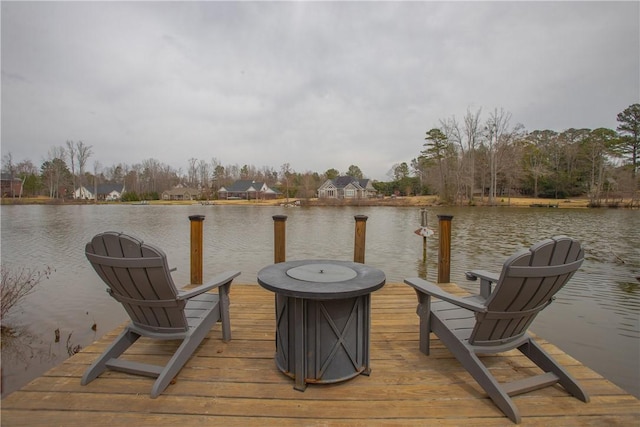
point(238, 384)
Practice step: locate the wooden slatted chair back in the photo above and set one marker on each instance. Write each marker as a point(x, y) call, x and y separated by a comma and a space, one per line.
point(528, 282)
point(137, 275)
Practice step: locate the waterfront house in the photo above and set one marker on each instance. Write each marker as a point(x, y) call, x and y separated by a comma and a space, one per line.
point(181, 193)
point(104, 192)
point(248, 190)
point(11, 185)
point(346, 187)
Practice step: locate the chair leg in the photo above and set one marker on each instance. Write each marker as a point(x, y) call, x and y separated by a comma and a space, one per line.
point(424, 312)
point(117, 347)
point(183, 353)
point(481, 374)
point(175, 364)
point(537, 355)
point(478, 371)
point(223, 292)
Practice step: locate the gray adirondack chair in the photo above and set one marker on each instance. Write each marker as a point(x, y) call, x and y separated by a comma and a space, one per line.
point(497, 321)
point(139, 278)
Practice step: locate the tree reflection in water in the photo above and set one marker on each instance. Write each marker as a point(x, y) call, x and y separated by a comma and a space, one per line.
point(23, 350)
point(20, 349)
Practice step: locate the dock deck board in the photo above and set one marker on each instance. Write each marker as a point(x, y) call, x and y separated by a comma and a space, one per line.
point(238, 383)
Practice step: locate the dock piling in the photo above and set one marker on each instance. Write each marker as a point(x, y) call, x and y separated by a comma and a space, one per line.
point(360, 236)
point(444, 251)
point(196, 248)
point(279, 232)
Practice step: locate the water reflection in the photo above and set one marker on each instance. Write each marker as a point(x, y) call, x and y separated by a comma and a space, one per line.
point(421, 268)
point(595, 318)
point(20, 345)
point(24, 350)
point(20, 350)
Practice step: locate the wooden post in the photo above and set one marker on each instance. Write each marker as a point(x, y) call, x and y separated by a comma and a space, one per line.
point(279, 246)
point(444, 252)
point(361, 232)
point(423, 224)
point(196, 248)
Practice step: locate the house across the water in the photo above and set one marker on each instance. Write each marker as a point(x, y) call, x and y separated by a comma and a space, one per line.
point(11, 185)
point(104, 192)
point(247, 190)
point(347, 187)
point(181, 193)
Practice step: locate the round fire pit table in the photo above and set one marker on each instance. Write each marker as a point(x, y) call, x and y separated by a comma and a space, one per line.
point(322, 318)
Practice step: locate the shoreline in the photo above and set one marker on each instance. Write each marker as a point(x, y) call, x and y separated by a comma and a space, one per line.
point(408, 201)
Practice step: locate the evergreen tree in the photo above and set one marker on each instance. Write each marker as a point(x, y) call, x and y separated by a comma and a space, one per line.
point(629, 129)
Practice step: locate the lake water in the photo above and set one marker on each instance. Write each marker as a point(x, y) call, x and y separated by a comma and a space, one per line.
point(596, 317)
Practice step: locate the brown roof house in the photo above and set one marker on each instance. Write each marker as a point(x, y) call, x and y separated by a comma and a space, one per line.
point(181, 193)
point(11, 186)
point(346, 187)
point(247, 190)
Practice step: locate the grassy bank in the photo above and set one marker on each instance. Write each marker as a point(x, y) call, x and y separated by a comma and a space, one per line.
point(416, 201)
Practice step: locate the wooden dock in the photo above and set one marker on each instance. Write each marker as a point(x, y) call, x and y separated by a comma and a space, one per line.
point(238, 384)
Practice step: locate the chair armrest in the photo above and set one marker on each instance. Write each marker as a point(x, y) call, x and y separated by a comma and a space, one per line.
point(216, 281)
point(482, 274)
point(435, 291)
point(486, 279)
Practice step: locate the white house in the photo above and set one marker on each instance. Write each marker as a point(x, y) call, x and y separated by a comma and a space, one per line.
point(106, 192)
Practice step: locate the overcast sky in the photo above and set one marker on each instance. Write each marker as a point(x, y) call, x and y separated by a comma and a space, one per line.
point(317, 85)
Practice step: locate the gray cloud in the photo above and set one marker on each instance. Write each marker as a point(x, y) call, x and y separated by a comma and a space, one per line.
point(317, 85)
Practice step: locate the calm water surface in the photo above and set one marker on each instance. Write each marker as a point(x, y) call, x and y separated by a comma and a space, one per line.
point(596, 317)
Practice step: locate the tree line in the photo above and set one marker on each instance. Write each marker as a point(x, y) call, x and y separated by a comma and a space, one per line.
point(65, 170)
point(474, 160)
point(486, 159)
point(462, 161)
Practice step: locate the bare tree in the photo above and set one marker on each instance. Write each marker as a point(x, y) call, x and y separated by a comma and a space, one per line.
point(26, 167)
point(168, 177)
point(472, 133)
point(149, 176)
point(466, 137)
point(454, 167)
point(508, 153)
point(497, 128)
point(83, 152)
point(10, 168)
point(71, 151)
point(96, 168)
point(205, 174)
point(192, 173)
point(15, 285)
point(232, 172)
